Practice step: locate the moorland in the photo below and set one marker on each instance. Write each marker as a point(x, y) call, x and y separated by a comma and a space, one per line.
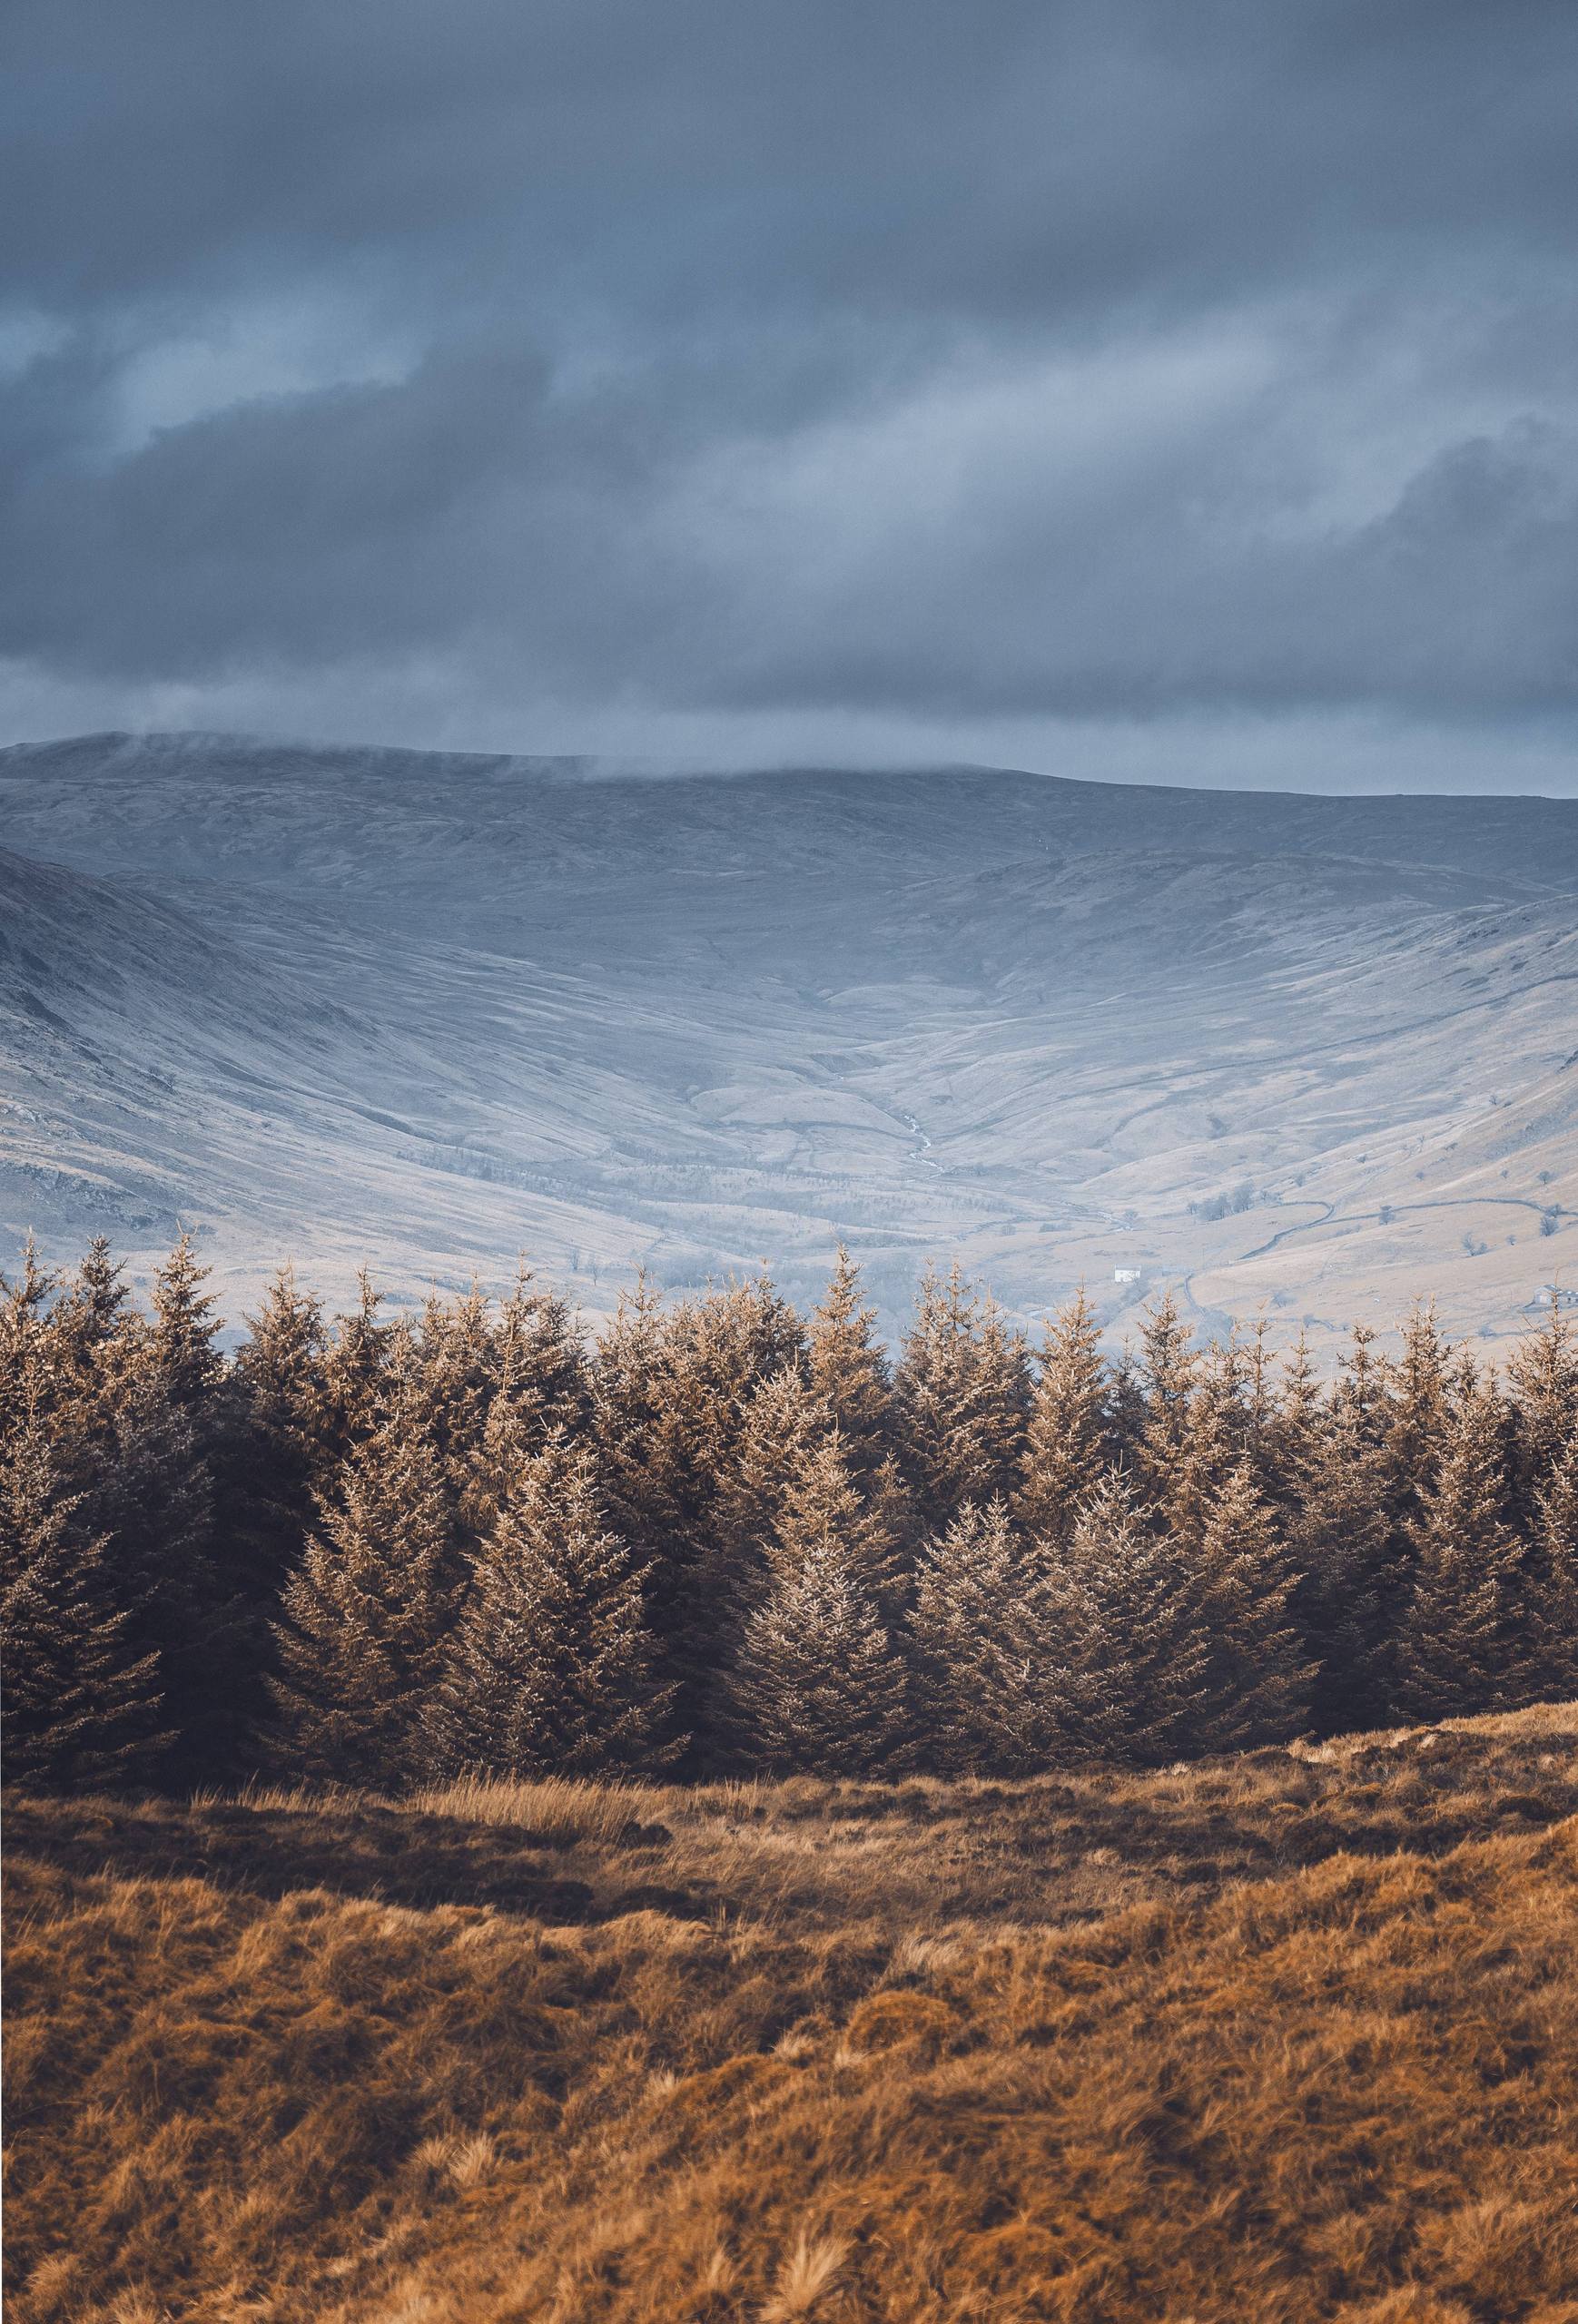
point(1291, 2035)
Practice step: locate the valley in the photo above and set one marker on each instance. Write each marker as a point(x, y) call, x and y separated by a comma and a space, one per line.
point(1309, 1057)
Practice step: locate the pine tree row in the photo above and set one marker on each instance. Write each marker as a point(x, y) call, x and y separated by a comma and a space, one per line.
point(377, 1550)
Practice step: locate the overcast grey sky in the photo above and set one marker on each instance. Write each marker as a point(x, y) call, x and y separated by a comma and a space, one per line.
point(1180, 389)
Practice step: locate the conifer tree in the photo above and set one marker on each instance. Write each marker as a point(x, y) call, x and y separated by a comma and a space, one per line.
point(550, 1669)
point(1003, 1393)
point(642, 1469)
point(889, 1508)
point(1553, 1589)
point(1293, 1430)
point(359, 1367)
point(286, 1428)
point(24, 1304)
point(816, 1684)
point(174, 1414)
point(1359, 1391)
point(542, 1392)
point(639, 1456)
point(181, 1331)
point(1459, 1650)
point(984, 1636)
point(1168, 1368)
point(509, 1440)
point(1128, 1657)
point(46, 1368)
point(137, 1414)
point(1418, 1416)
point(90, 1319)
point(1258, 1675)
point(1338, 1528)
point(1126, 1414)
point(847, 1369)
point(1542, 1376)
point(784, 1421)
point(1259, 1403)
point(367, 1612)
point(276, 1455)
point(279, 1365)
point(542, 1360)
point(1068, 1446)
point(785, 1424)
point(80, 1704)
point(962, 1392)
point(1216, 1430)
point(720, 1346)
point(453, 1378)
point(461, 1361)
point(671, 1389)
point(149, 1489)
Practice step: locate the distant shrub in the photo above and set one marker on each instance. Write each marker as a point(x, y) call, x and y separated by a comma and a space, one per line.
point(1227, 1205)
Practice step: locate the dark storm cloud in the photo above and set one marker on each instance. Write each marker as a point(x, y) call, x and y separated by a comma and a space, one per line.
point(949, 362)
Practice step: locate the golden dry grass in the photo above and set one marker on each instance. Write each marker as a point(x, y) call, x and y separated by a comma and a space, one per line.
point(1289, 2037)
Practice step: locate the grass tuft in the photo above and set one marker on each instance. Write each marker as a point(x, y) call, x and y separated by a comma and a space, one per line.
point(558, 1809)
point(810, 2270)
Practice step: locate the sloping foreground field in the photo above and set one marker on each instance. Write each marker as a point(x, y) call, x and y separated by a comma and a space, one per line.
point(1291, 2036)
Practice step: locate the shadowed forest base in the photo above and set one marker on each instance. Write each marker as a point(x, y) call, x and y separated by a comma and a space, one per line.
point(1292, 2035)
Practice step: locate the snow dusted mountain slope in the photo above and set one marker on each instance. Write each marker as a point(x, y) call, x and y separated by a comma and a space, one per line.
point(429, 1011)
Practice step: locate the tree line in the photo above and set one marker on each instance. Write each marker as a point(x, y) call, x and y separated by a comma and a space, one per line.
point(720, 1534)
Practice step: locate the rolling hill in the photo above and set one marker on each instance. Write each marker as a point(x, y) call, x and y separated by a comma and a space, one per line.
point(427, 1011)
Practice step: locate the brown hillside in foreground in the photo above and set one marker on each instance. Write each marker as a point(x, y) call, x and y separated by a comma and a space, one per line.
point(1291, 2037)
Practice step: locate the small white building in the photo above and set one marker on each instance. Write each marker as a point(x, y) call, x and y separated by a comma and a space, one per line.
point(1126, 1275)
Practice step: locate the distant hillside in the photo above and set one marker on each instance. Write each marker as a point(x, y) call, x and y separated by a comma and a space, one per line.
point(1294, 2036)
point(427, 1009)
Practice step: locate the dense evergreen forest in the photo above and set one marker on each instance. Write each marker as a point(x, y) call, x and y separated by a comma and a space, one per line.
point(721, 1535)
